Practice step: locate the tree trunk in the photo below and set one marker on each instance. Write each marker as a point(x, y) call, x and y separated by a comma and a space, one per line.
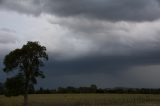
point(26, 99)
point(26, 93)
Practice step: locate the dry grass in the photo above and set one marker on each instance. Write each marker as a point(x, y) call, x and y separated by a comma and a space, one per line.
point(84, 100)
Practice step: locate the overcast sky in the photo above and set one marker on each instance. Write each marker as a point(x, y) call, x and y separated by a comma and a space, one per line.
point(110, 43)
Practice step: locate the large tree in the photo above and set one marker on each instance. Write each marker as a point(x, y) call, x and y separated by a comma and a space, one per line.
point(26, 61)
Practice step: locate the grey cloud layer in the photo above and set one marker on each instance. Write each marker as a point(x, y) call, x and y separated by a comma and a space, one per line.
point(136, 10)
point(7, 36)
point(114, 38)
point(22, 6)
point(85, 37)
point(115, 10)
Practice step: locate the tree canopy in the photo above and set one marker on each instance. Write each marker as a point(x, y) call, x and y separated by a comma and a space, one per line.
point(27, 62)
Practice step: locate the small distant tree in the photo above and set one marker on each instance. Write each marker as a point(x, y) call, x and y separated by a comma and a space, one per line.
point(93, 88)
point(26, 61)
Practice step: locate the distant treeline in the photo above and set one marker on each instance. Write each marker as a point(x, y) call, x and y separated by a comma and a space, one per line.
point(91, 89)
point(94, 89)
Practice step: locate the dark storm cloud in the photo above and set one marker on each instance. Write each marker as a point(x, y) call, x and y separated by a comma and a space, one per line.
point(102, 64)
point(22, 6)
point(114, 10)
point(105, 71)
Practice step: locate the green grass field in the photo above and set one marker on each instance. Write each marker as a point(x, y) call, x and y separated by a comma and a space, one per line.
point(84, 100)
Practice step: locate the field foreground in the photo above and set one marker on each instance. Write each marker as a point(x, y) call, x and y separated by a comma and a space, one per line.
point(84, 100)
